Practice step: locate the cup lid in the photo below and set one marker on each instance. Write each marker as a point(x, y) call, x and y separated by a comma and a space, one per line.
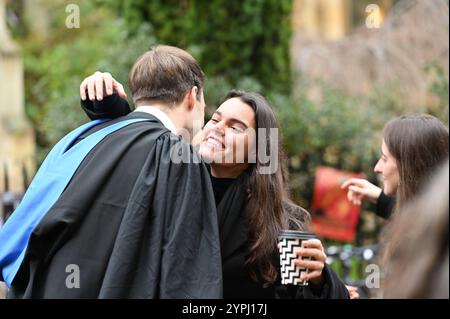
point(285, 233)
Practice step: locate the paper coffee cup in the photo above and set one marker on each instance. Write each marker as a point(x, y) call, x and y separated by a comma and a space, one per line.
point(289, 240)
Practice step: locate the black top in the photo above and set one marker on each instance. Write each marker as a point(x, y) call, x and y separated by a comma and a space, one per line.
point(220, 186)
point(385, 205)
point(237, 282)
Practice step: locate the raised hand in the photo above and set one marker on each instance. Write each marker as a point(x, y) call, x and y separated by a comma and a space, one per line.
point(361, 189)
point(100, 84)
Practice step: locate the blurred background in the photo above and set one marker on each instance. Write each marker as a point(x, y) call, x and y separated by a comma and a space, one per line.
point(334, 70)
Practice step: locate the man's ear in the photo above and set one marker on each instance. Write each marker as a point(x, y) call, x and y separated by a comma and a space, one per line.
point(192, 98)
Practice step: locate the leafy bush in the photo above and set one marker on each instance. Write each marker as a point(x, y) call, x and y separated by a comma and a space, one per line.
point(438, 92)
point(54, 70)
point(338, 131)
point(230, 38)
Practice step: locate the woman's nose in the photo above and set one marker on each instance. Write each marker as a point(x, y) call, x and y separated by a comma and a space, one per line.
point(219, 128)
point(378, 169)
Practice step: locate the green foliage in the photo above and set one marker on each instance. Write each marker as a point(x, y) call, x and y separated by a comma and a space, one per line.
point(338, 131)
point(54, 70)
point(230, 38)
point(239, 44)
point(217, 87)
point(438, 92)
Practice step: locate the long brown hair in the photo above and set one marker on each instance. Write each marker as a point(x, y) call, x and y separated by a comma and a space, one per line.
point(419, 144)
point(416, 255)
point(268, 209)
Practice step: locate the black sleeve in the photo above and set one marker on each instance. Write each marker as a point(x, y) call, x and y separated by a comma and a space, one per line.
point(385, 205)
point(169, 237)
point(332, 288)
point(111, 106)
point(191, 249)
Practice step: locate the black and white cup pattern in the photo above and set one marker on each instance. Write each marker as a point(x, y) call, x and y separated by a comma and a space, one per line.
point(290, 273)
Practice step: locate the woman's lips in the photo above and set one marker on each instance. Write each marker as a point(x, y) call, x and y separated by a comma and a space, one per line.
point(215, 143)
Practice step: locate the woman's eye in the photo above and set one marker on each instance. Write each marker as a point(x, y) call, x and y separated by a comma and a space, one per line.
point(237, 129)
point(214, 120)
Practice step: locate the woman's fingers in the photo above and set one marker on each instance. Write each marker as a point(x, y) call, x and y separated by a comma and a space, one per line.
point(119, 89)
point(314, 253)
point(83, 87)
point(312, 248)
point(353, 181)
point(354, 198)
point(309, 264)
point(91, 87)
point(353, 292)
point(357, 190)
point(362, 187)
point(108, 80)
point(99, 83)
point(312, 243)
point(311, 256)
point(311, 275)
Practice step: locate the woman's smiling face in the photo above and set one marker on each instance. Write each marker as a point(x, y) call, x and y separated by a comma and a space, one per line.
point(230, 135)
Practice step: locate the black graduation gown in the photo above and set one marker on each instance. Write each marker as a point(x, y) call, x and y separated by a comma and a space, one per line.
point(134, 223)
point(237, 282)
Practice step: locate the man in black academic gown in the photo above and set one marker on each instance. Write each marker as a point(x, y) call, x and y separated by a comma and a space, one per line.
point(132, 222)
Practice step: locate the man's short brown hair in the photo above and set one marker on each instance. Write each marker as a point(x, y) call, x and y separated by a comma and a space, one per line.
point(165, 74)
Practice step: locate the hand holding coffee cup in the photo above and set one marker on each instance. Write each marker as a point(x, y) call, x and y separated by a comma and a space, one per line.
point(302, 258)
point(312, 257)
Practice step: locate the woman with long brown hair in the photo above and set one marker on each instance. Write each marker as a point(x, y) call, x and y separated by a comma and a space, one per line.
point(417, 256)
point(252, 201)
point(412, 147)
point(255, 206)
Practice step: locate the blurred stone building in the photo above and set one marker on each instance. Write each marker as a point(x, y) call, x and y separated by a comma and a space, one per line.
point(17, 144)
point(361, 45)
point(373, 50)
point(335, 19)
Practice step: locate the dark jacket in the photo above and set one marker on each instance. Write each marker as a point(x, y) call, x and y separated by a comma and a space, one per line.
point(237, 281)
